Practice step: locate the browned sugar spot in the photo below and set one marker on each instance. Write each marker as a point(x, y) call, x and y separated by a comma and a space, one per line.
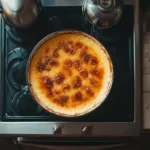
point(55, 54)
point(47, 82)
point(46, 59)
point(85, 48)
point(69, 47)
point(53, 63)
point(93, 61)
point(94, 82)
point(82, 53)
point(86, 58)
point(59, 78)
point(68, 63)
point(89, 91)
point(99, 73)
point(72, 51)
point(40, 66)
point(66, 88)
point(44, 62)
point(62, 100)
point(47, 50)
point(76, 64)
point(84, 73)
point(56, 92)
point(66, 48)
point(50, 93)
point(48, 68)
point(70, 42)
point(61, 44)
point(77, 82)
point(95, 72)
point(78, 96)
point(79, 45)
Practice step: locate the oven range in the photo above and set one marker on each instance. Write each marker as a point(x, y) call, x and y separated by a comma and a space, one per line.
point(118, 116)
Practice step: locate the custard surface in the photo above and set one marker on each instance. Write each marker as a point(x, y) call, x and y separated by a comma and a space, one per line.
point(70, 74)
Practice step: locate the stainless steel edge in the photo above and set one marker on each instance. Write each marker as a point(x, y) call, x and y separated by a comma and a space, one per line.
point(58, 3)
point(48, 3)
point(138, 67)
point(75, 128)
point(68, 129)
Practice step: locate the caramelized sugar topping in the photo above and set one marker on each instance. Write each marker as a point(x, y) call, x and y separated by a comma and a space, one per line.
point(69, 73)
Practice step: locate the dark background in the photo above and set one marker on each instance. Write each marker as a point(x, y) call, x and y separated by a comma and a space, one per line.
point(145, 5)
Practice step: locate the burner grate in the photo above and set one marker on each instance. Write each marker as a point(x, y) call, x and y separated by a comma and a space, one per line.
point(16, 67)
point(24, 104)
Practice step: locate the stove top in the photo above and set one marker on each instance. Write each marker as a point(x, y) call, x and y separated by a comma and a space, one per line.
point(17, 45)
point(119, 115)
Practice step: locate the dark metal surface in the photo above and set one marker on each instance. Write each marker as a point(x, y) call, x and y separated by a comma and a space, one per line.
point(119, 116)
point(121, 53)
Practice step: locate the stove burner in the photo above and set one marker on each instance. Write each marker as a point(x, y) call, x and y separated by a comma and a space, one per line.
point(24, 104)
point(15, 34)
point(26, 36)
point(16, 68)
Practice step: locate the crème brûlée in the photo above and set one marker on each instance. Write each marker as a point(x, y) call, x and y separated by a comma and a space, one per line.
point(70, 74)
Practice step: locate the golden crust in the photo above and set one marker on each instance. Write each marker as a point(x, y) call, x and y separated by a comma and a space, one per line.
point(70, 74)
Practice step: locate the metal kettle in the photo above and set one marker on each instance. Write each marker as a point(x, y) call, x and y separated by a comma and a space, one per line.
point(103, 13)
point(20, 13)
